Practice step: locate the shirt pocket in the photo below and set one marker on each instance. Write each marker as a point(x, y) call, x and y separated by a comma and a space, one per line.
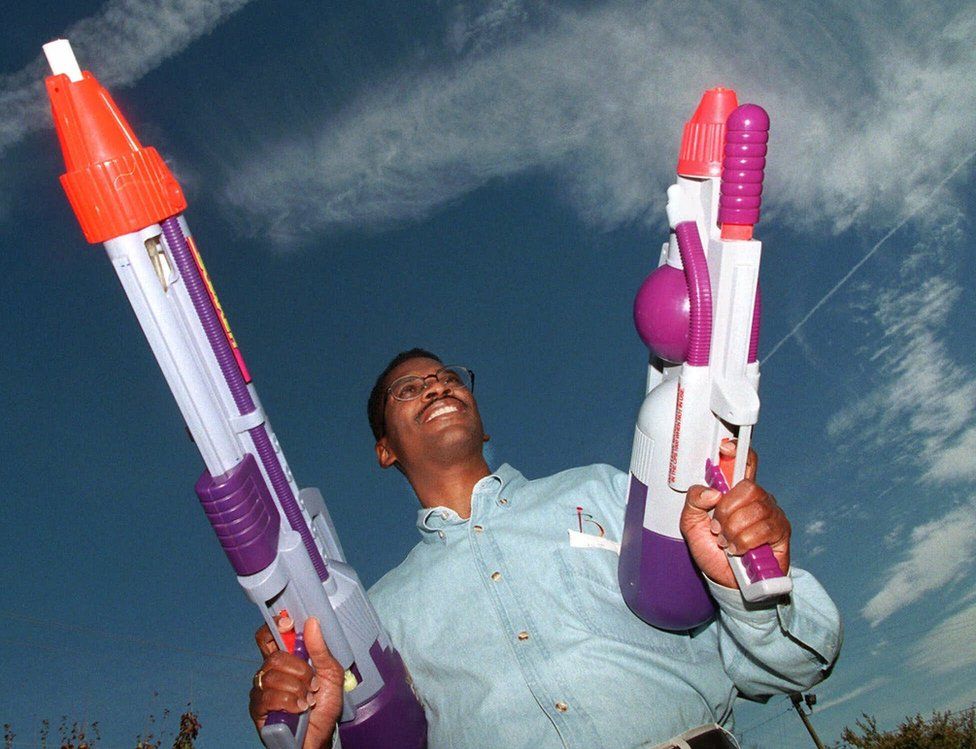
point(589, 577)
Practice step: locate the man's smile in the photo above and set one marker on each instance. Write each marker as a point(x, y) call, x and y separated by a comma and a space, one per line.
point(441, 407)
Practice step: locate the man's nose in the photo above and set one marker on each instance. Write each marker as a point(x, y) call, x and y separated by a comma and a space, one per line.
point(435, 388)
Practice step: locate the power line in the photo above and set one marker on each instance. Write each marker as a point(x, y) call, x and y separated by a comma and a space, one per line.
point(761, 723)
point(113, 638)
point(908, 217)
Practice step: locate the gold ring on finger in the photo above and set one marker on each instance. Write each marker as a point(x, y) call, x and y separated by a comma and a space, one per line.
point(257, 679)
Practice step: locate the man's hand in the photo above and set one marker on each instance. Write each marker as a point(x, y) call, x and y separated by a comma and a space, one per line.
point(286, 682)
point(743, 519)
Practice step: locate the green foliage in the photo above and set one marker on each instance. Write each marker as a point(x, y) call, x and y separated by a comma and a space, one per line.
point(949, 730)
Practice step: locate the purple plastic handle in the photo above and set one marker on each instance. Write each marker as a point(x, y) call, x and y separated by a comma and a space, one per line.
point(280, 716)
point(746, 134)
point(760, 563)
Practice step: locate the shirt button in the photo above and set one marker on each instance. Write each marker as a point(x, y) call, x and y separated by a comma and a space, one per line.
point(478, 529)
point(562, 707)
point(503, 501)
point(523, 635)
point(496, 576)
point(445, 515)
point(440, 534)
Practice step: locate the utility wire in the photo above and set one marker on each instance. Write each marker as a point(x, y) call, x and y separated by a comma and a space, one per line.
point(763, 722)
point(908, 217)
point(113, 638)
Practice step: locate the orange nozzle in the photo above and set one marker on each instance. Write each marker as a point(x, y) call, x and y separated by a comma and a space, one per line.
point(703, 139)
point(114, 184)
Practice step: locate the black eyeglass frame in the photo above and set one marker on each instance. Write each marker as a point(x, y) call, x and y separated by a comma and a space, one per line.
point(437, 377)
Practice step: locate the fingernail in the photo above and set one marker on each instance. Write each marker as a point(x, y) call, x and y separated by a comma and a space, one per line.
point(315, 684)
point(302, 705)
point(726, 448)
point(716, 526)
point(732, 549)
point(721, 541)
point(310, 699)
point(709, 494)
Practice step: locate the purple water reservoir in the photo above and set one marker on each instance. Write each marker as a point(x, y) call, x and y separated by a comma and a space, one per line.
point(659, 581)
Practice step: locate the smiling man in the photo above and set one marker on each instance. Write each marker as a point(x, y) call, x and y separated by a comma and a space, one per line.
point(516, 637)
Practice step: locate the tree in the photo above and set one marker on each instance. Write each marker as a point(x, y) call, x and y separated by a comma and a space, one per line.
point(75, 735)
point(948, 730)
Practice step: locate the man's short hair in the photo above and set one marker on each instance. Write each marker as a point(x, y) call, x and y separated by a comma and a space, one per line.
point(377, 399)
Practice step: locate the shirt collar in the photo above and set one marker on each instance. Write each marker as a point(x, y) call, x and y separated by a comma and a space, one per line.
point(434, 522)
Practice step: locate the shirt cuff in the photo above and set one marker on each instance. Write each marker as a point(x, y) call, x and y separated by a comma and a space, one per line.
point(733, 605)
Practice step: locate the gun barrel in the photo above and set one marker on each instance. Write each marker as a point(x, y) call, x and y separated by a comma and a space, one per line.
point(279, 540)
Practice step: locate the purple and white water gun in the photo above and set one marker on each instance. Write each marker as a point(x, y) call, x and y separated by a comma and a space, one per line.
point(699, 315)
point(279, 539)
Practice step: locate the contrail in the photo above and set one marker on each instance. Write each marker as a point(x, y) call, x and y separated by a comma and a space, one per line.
point(911, 214)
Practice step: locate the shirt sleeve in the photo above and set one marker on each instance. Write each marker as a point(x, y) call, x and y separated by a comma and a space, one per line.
point(784, 647)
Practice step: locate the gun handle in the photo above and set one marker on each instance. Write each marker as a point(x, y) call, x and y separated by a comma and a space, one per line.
point(756, 571)
point(286, 730)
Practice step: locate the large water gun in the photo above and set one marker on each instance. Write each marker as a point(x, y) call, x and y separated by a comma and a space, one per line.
point(699, 313)
point(279, 539)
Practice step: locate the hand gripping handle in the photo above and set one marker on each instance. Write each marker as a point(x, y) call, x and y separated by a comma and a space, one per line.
point(757, 571)
point(287, 730)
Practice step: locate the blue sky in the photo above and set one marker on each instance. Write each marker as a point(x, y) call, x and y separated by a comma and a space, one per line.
point(485, 179)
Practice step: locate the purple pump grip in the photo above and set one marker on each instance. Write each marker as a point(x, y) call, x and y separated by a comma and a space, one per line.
point(756, 571)
point(286, 730)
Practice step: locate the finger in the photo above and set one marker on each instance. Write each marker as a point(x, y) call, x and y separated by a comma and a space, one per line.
point(288, 664)
point(264, 701)
point(739, 528)
point(729, 448)
point(281, 681)
point(766, 531)
point(744, 493)
point(752, 464)
point(265, 640)
point(702, 498)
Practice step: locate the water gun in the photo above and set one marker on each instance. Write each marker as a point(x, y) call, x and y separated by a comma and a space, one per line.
point(279, 539)
point(699, 314)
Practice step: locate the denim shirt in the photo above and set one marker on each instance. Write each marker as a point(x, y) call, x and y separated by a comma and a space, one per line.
point(516, 638)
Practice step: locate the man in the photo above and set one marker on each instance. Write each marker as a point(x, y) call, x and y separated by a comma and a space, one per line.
point(515, 638)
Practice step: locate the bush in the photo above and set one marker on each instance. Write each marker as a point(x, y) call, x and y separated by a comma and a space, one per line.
point(949, 730)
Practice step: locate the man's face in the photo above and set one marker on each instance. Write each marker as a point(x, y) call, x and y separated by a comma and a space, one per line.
point(442, 424)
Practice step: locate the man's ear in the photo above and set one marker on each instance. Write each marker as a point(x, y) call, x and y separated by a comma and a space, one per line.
point(384, 455)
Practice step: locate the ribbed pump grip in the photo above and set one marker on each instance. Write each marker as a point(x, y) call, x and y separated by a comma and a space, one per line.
point(746, 134)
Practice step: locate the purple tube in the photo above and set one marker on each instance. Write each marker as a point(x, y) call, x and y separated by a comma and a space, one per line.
point(756, 320)
point(746, 133)
point(238, 388)
point(699, 292)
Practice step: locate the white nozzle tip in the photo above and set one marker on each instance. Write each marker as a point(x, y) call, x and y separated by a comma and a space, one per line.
point(62, 59)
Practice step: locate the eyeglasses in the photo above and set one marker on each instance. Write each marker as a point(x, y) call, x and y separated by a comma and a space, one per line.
point(410, 387)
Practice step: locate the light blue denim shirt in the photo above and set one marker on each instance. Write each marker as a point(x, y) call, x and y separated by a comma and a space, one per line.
point(514, 638)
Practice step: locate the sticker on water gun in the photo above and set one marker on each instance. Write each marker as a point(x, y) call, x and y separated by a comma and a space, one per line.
point(220, 310)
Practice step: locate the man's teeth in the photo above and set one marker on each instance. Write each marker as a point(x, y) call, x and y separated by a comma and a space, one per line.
point(436, 411)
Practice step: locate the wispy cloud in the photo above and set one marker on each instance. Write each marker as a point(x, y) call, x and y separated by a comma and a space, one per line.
point(864, 122)
point(816, 527)
point(949, 646)
point(922, 405)
point(938, 553)
point(876, 682)
point(122, 43)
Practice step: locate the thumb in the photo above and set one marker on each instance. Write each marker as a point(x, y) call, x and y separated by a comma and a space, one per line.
point(701, 500)
point(318, 651)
